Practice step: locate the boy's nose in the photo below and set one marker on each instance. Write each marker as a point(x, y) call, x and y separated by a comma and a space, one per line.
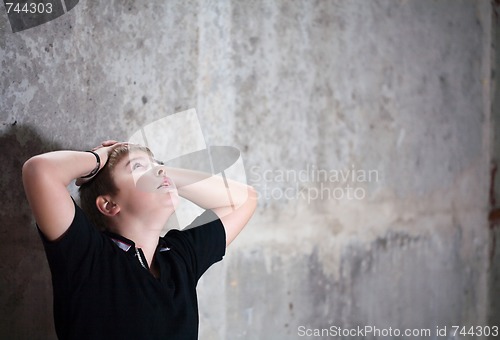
point(160, 171)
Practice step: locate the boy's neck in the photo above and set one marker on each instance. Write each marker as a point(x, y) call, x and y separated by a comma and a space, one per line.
point(145, 235)
point(147, 241)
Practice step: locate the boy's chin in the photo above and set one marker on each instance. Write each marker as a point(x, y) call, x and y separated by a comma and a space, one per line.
point(172, 199)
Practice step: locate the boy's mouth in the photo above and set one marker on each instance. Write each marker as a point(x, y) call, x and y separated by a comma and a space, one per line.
point(167, 183)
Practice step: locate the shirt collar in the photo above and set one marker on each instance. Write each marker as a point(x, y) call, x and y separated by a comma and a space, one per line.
point(122, 242)
point(125, 244)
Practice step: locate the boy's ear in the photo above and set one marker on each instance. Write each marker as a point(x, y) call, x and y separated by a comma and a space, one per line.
point(106, 206)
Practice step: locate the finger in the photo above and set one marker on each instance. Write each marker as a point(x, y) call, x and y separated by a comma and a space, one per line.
point(104, 144)
point(117, 144)
point(109, 142)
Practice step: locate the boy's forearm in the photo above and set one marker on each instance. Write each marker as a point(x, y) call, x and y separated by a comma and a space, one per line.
point(62, 166)
point(233, 202)
point(208, 191)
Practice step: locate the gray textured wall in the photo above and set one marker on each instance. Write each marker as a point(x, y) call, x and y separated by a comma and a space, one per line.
point(398, 88)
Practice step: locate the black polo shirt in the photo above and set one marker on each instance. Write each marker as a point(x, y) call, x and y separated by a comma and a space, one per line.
point(102, 291)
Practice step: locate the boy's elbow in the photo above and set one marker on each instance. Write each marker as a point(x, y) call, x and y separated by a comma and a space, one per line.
point(33, 167)
point(29, 166)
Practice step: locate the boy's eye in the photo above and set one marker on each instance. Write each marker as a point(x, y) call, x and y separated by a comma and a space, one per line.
point(137, 166)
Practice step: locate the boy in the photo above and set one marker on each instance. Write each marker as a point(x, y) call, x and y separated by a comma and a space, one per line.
point(125, 281)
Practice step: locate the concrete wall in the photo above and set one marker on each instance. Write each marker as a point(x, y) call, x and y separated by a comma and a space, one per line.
point(395, 92)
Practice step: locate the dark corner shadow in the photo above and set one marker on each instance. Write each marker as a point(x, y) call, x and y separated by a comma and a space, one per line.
point(24, 274)
point(19, 143)
point(494, 269)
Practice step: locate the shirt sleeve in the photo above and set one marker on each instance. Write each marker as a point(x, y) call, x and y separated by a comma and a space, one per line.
point(200, 246)
point(70, 257)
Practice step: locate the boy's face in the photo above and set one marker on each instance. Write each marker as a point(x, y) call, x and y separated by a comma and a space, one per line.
point(144, 189)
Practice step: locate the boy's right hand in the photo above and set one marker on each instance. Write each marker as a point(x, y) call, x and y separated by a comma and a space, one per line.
point(103, 151)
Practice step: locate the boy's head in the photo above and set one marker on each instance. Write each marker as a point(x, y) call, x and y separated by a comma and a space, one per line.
point(103, 183)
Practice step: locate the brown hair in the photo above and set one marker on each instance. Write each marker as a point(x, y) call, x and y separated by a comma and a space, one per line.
point(103, 183)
